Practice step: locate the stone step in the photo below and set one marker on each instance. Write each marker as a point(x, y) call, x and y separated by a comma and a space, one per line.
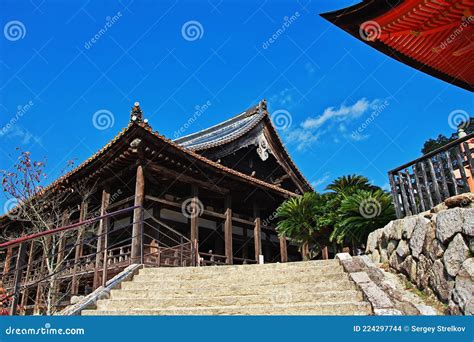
point(224, 289)
point(265, 278)
point(348, 308)
point(244, 272)
point(244, 268)
point(278, 297)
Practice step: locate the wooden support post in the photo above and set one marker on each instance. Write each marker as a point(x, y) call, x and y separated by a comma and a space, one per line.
point(24, 296)
point(257, 232)
point(20, 262)
point(60, 254)
point(137, 231)
point(78, 251)
point(39, 288)
point(8, 260)
point(325, 253)
point(228, 230)
point(101, 236)
point(283, 249)
point(194, 214)
point(245, 249)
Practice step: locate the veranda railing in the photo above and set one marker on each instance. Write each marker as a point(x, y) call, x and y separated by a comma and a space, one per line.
point(423, 183)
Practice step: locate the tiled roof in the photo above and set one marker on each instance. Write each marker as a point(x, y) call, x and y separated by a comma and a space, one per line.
point(65, 178)
point(223, 132)
point(234, 128)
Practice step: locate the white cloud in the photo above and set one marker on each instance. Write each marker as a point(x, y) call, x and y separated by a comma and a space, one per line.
point(317, 183)
point(23, 136)
point(342, 113)
point(331, 120)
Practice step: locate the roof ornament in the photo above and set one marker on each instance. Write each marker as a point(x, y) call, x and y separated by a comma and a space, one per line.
point(262, 106)
point(263, 148)
point(136, 115)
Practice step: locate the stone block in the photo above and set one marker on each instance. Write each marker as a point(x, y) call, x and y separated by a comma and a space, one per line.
point(418, 237)
point(468, 221)
point(360, 277)
point(409, 224)
point(402, 249)
point(455, 255)
point(440, 281)
point(448, 223)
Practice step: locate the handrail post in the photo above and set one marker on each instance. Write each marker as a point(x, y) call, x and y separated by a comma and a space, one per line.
point(20, 261)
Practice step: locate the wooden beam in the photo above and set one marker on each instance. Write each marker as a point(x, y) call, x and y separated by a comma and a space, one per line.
point(179, 205)
point(257, 232)
point(100, 236)
point(283, 249)
point(186, 179)
point(228, 230)
point(194, 214)
point(137, 231)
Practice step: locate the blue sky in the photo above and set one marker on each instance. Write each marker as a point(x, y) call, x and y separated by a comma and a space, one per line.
point(177, 56)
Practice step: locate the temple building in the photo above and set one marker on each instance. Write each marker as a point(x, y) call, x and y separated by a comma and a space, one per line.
point(208, 198)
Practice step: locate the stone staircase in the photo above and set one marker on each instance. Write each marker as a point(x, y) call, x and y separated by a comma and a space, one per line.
point(299, 288)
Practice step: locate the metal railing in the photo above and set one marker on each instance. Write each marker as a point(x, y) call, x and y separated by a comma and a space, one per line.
point(43, 280)
point(425, 182)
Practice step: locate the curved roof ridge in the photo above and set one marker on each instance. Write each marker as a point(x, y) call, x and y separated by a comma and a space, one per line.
point(247, 113)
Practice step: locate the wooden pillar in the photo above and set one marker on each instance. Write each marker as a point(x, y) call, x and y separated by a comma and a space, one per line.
point(60, 253)
point(8, 260)
point(194, 214)
point(283, 249)
point(20, 262)
point(228, 230)
point(245, 250)
point(24, 296)
point(325, 253)
point(100, 236)
point(137, 231)
point(39, 288)
point(257, 232)
point(78, 251)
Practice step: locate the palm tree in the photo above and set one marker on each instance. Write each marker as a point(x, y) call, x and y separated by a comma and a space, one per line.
point(360, 214)
point(345, 185)
point(297, 220)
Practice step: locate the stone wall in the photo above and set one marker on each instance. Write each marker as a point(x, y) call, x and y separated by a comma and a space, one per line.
point(434, 250)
